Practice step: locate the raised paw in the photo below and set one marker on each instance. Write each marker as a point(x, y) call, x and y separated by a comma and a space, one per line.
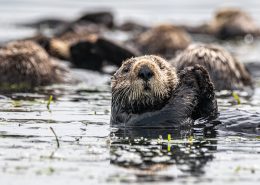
point(199, 75)
point(203, 78)
point(208, 104)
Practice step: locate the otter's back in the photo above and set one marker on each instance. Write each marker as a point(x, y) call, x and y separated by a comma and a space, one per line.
point(225, 71)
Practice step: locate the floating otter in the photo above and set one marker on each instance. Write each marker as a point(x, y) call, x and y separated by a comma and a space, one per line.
point(148, 92)
point(92, 22)
point(225, 71)
point(86, 28)
point(104, 18)
point(49, 23)
point(93, 55)
point(163, 40)
point(88, 21)
point(59, 47)
point(131, 26)
point(228, 23)
point(83, 50)
point(25, 65)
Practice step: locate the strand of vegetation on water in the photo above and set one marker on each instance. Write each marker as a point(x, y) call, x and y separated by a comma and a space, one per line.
point(57, 140)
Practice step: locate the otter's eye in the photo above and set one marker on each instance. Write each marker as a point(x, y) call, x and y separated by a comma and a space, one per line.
point(125, 70)
point(126, 67)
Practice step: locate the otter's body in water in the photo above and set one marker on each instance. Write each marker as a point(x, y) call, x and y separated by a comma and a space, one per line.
point(232, 22)
point(85, 50)
point(164, 40)
point(228, 23)
point(148, 92)
point(24, 64)
point(59, 47)
point(224, 69)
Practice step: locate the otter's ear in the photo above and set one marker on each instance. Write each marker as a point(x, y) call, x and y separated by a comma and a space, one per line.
point(157, 57)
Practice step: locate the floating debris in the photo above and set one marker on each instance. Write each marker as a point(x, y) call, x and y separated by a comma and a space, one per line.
point(236, 97)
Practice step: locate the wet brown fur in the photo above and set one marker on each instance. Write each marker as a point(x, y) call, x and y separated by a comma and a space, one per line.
point(129, 89)
point(173, 100)
point(26, 63)
point(228, 23)
point(164, 40)
point(60, 46)
point(226, 72)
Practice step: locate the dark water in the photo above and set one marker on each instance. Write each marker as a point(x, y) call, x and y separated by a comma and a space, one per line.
point(92, 153)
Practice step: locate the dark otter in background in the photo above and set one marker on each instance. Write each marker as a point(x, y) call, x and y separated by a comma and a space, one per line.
point(164, 40)
point(88, 20)
point(95, 22)
point(46, 23)
point(85, 50)
point(228, 23)
point(132, 26)
point(93, 55)
point(105, 18)
point(64, 34)
point(59, 47)
point(225, 71)
point(25, 65)
point(148, 92)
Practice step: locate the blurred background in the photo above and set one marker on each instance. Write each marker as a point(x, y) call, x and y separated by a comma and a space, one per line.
point(145, 11)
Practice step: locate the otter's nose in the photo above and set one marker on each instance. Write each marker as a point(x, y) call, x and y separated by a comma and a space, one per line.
point(145, 73)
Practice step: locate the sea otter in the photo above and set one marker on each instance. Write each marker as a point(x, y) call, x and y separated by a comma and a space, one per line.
point(59, 46)
point(85, 50)
point(228, 23)
point(164, 40)
point(132, 26)
point(148, 92)
point(104, 18)
point(226, 72)
point(232, 22)
point(94, 55)
point(87, 21)
point(25, 65)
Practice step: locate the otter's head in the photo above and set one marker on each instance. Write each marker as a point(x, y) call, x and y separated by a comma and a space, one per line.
point(228, 15)
point(143, 84)
point(164, 40)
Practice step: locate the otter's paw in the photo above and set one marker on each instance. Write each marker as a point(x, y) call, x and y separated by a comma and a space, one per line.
point(199, 74)
point(205, 84)
point(187, 77)
point(208, 104)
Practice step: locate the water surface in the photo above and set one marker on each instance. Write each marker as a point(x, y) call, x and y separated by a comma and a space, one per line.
point(92, 153)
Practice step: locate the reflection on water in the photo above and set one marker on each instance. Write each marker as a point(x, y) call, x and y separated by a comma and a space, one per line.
point(151, 151)
point(92, 153)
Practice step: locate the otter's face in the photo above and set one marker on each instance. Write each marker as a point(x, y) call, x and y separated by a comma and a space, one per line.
point(143, 83)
